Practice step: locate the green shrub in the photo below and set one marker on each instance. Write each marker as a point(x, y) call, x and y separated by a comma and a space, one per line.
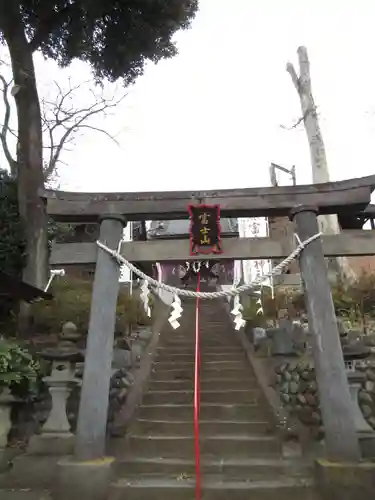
point(19, 370)
point(72, 302)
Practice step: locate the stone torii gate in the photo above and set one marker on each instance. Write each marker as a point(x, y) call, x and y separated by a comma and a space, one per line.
point(301, 203)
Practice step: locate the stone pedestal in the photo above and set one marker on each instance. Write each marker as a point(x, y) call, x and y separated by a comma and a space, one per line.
point(56, 437)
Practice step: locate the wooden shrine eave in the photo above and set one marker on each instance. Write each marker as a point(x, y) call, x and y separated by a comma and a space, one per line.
point(347, 243)
point(332, 197)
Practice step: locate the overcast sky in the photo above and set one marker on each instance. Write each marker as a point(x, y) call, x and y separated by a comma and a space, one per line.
point(212, 117)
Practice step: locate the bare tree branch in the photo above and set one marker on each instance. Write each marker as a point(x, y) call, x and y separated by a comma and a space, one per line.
point(5, 127)
point(293, 74)
point(102, 131)
point(298, 122)
point(302, 84)
point(62, 120)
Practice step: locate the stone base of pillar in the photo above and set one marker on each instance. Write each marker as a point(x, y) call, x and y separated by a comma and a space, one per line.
point(51, 444)
point(345, 481)
point(78, 480)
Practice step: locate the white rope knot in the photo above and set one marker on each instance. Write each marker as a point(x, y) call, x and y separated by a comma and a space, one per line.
point(52, 274)
point(233, 292)
point(298, 239)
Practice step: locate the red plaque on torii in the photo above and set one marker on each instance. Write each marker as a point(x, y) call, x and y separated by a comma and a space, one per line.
point(205, 229)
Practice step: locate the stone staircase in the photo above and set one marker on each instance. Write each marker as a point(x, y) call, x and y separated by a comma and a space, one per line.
point(241, 458)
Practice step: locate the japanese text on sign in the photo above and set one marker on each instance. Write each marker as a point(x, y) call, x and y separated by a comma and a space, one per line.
point(205, 229)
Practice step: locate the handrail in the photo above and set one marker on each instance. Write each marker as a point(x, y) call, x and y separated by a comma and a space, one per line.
point(198, 484)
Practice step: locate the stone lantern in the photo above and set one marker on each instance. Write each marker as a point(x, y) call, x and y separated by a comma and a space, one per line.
point(56, 436)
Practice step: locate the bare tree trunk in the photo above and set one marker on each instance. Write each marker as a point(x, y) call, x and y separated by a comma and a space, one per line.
point(328, 223)
point(29, 152)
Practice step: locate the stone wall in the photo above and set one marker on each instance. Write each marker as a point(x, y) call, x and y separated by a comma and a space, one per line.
point(298, 390)
point(286, 354)
point(366, 396)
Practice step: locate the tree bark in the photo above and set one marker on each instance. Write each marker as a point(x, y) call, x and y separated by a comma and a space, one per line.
point(328, 224)
point(29, 148)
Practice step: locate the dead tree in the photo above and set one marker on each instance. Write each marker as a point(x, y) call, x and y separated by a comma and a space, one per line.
point(62, 121)
point(328, 223)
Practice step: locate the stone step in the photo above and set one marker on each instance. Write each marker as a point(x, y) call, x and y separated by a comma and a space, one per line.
point(214, 312)
point(212, 337)
point(251, 469)
point(208, 411)
point(205, 357)
point(191, 349)
point(25, 494)
point(205, 365)
point(204, 344)
point(190, 306)
point(207, 320)
point(206, 306)
point(206, 427)
point(211, 331)
point(188, 374)
point(219, 446)
point(205, 384)
point(213, 489)
point(204, 347)
point(187, 397)
point(206, 331)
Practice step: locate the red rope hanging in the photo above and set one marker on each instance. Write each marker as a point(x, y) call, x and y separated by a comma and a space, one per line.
point(198, 484)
